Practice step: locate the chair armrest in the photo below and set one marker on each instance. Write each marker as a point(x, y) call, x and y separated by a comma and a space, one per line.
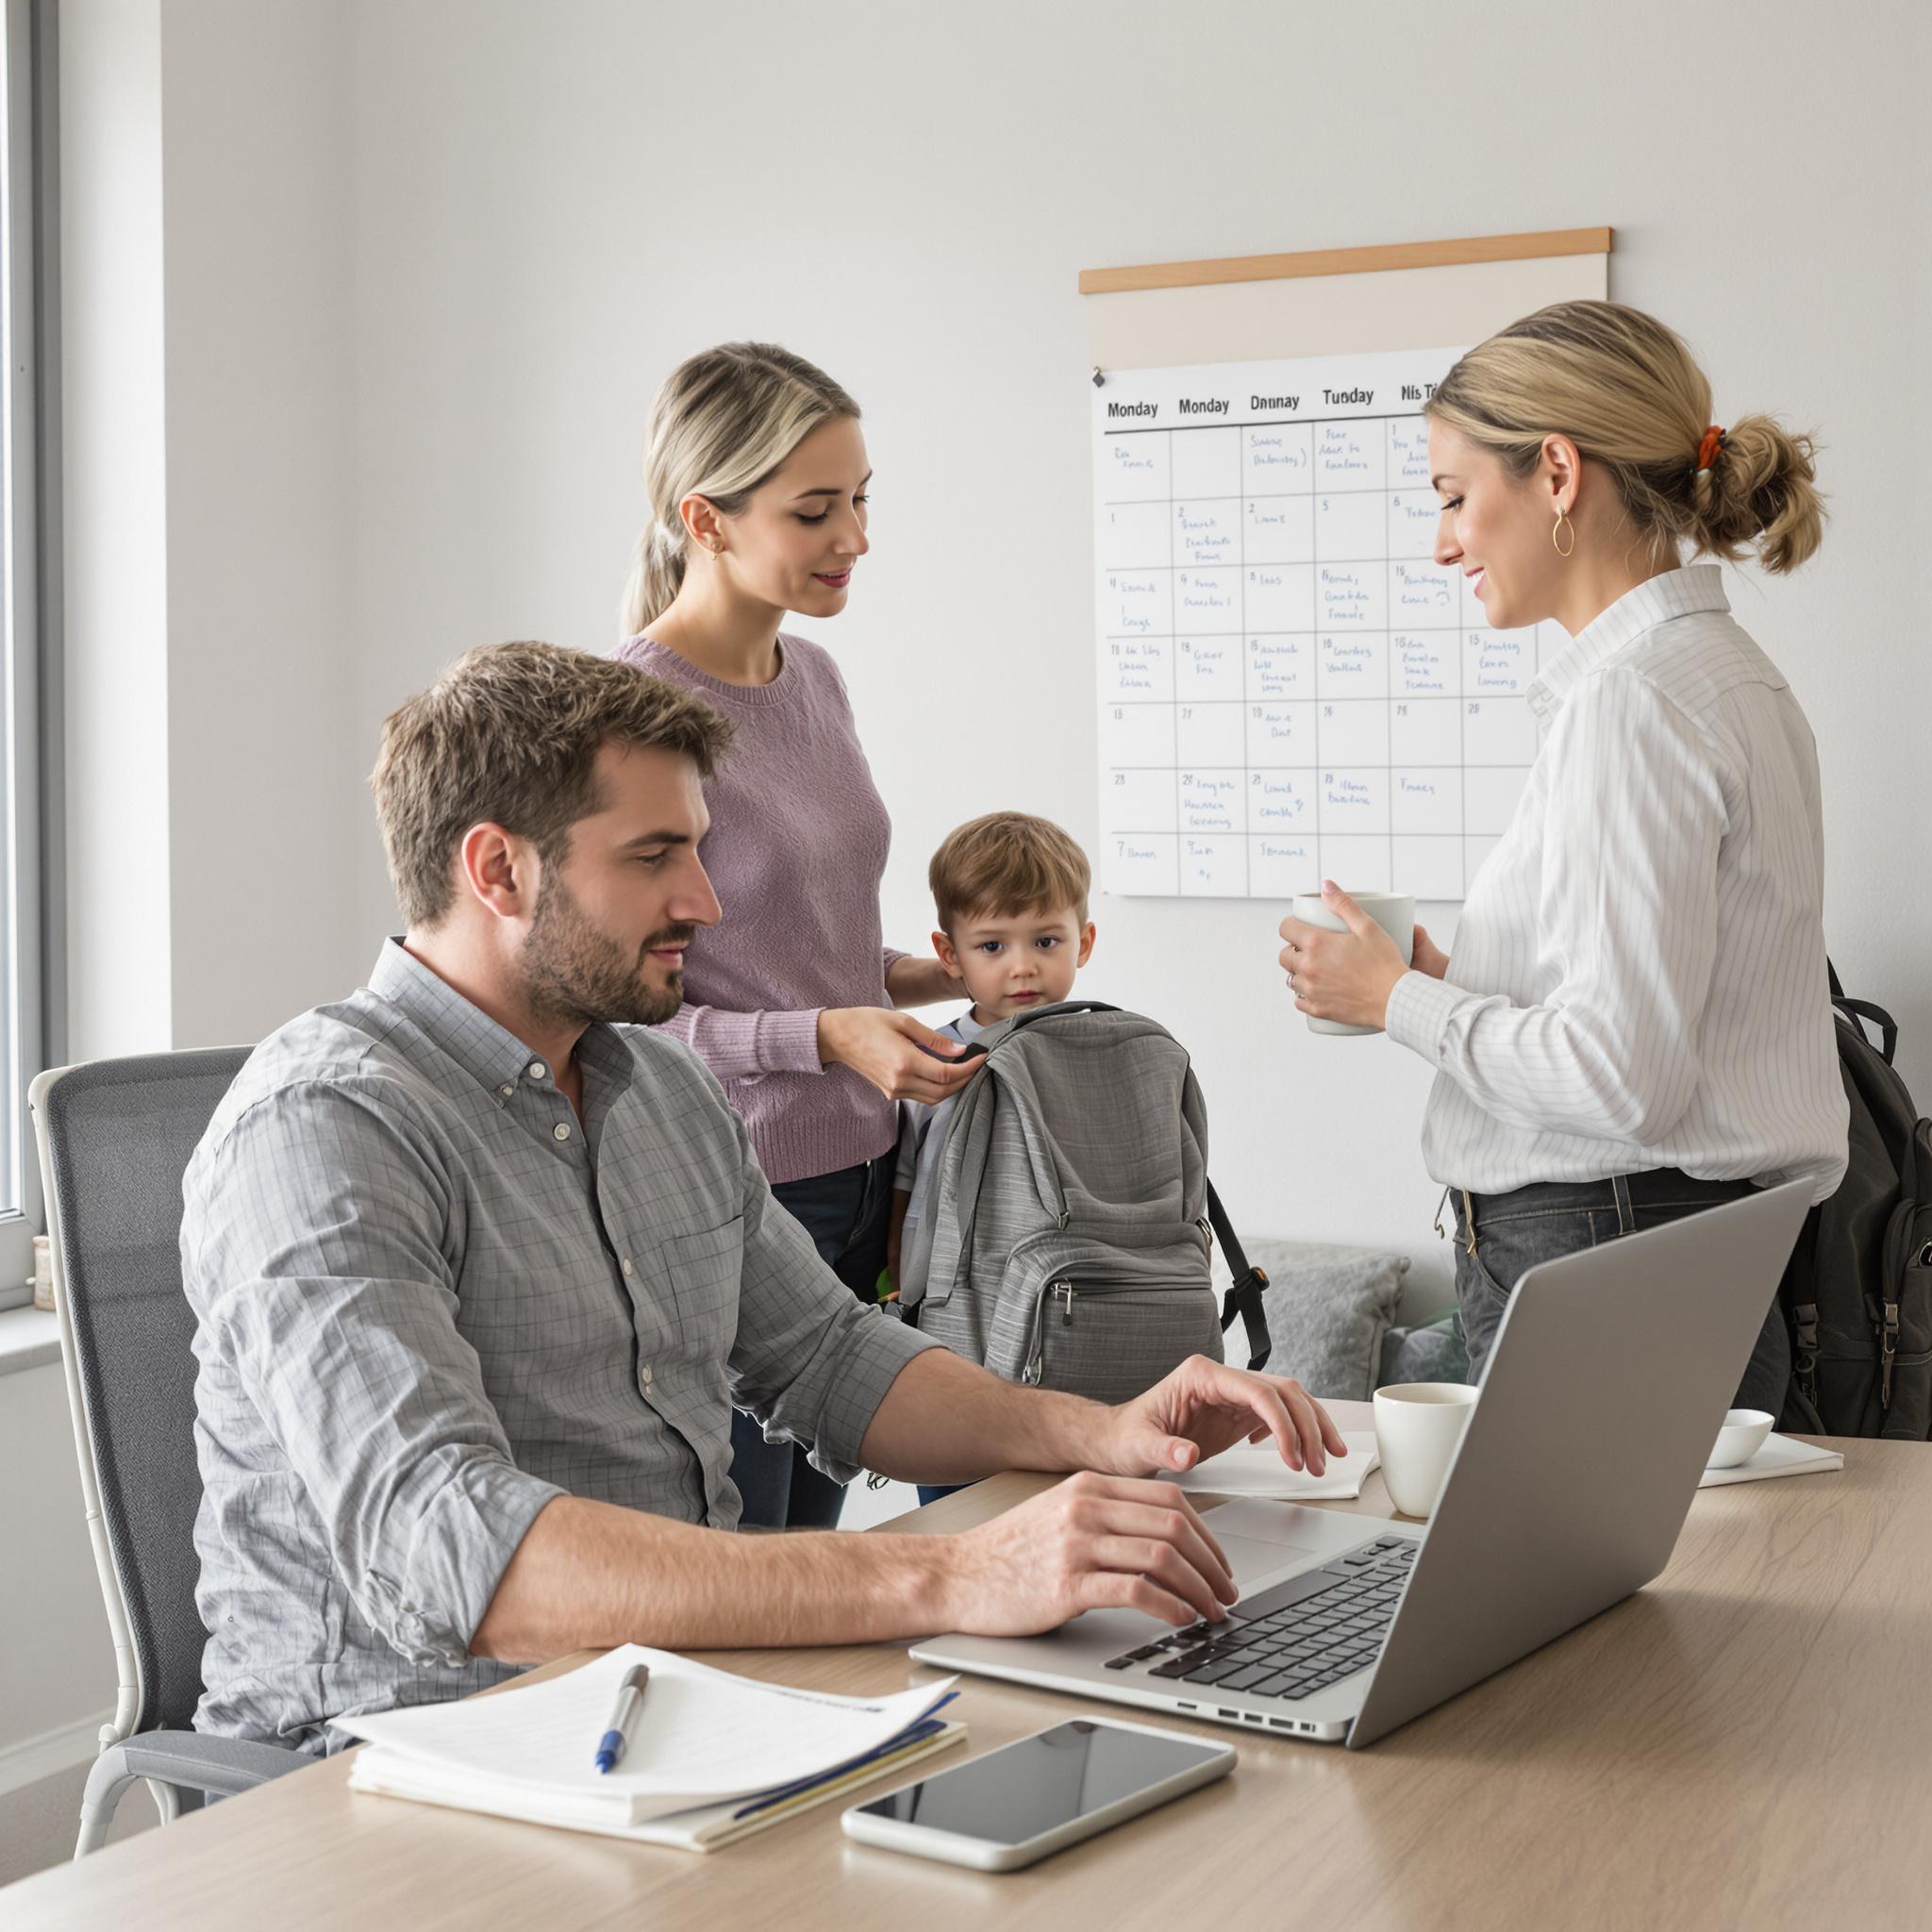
point(185, 1761)
point(228, 1765)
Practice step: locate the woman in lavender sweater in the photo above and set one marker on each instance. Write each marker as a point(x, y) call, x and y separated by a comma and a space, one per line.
point(757, 473)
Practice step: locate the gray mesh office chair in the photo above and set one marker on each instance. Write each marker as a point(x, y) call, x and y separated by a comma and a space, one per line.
point(114, 1140)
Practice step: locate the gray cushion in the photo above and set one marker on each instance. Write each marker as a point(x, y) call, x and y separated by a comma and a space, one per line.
point(1432, 1353)
point(1328, 1308)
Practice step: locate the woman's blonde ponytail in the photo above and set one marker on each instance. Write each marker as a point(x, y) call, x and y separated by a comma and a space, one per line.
point(1759, 492)
point(655, 572)
point(722, 423)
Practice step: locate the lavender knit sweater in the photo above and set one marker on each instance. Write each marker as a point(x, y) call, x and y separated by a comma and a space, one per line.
point(796, 850)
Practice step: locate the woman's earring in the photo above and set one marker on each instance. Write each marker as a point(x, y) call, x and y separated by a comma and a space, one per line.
point(1556, 530)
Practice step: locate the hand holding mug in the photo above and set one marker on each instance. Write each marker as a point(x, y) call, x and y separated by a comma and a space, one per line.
point(1342, 970)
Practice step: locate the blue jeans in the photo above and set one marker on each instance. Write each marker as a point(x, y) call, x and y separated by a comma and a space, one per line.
point(1539, 1222)
point(846, 1214)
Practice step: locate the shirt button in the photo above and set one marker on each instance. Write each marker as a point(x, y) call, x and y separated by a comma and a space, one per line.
point(508, 1093)
point(538, 1071)
point(644, 1376)
point(625, 1264)
point(561, 1131)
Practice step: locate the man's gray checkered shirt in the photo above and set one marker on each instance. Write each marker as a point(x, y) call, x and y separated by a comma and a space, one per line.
point(429, 1299)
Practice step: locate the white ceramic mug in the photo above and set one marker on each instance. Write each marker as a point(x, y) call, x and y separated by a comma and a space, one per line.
point(1395, 913)
point(1418, 1426)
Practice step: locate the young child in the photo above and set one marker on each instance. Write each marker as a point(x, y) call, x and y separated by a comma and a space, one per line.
point(1011, 891)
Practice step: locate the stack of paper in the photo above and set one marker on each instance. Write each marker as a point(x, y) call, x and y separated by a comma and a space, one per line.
point(711, 1757)
point(1256, 1469)
point(1778, 1456)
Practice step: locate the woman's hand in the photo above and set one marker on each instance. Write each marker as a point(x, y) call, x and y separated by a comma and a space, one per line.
point(1428, 957)
point(894, 1052)
point(1341, 975)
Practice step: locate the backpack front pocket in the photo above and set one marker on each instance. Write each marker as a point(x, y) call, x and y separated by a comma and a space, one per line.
point(1113, 1342)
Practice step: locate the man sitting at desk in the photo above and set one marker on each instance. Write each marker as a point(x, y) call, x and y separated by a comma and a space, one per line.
point(479, 1269)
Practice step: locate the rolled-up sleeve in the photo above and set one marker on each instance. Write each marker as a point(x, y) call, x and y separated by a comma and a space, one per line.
point(810, 1360)
point(318, 1269)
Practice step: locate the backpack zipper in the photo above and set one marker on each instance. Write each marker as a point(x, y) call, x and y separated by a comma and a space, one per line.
point(1063, 1289)
point(1036, 1343)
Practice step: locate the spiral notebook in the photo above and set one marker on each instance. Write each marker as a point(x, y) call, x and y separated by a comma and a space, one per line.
point(712, 1756)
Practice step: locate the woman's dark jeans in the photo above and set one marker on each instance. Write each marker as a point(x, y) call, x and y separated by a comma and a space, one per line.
point(847, 1215)
point(1516, 1230)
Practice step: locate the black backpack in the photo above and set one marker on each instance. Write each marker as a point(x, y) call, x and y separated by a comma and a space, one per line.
point(1858, 1293)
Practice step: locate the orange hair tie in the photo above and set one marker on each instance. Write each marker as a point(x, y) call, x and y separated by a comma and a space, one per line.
point(1708, 449)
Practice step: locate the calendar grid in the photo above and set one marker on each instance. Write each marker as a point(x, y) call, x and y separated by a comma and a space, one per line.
point(1282, 662)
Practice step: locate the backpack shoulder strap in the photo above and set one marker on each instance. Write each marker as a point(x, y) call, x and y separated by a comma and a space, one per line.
point(1244, 1297)
point(1857, 1012)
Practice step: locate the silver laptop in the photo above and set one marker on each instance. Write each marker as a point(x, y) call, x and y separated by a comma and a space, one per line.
point(1601, 1399)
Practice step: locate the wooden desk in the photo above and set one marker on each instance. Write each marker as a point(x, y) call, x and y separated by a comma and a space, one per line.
point(1744, 1743)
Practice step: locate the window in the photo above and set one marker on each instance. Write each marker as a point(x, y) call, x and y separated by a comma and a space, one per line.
point(24, 534)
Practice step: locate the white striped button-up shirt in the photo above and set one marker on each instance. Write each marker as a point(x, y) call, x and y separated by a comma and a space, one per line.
point(1639, 978)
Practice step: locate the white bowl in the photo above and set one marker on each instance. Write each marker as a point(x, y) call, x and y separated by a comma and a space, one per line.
point(1741, 1439)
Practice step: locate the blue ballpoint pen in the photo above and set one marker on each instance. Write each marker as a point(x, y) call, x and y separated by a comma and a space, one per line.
point(630, 1698)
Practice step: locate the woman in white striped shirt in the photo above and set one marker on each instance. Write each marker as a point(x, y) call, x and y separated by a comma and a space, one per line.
point(1634, 1022)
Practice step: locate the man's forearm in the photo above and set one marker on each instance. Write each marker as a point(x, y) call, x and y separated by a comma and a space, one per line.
point(589, 1574)
point(947, 1420)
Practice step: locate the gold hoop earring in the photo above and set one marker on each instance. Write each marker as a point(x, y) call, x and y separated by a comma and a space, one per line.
point(1562, 523)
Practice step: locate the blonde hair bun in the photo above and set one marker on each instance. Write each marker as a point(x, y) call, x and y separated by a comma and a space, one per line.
point(1760, 492)
point(1628, 392)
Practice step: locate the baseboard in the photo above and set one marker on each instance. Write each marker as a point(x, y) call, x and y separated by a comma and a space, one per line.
point(33, 1758)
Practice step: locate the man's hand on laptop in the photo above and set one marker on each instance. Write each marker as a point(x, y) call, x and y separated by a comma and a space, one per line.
point(1124, 1540)
point(1204, 1407)
point(1091, 1542)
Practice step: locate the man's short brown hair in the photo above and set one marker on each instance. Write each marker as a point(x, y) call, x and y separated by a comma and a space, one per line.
point(1007, 862)
point(508, 735)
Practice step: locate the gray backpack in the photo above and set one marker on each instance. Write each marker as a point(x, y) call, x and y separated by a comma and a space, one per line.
point(1065, 1237)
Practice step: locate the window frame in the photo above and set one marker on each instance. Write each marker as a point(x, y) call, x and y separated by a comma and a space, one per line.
point(30, 532)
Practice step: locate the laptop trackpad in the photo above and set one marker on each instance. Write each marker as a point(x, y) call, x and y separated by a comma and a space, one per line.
point(1260, 1535)
point(1249, 1559)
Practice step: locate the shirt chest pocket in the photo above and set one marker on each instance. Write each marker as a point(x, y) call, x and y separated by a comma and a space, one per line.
point(688, 1292)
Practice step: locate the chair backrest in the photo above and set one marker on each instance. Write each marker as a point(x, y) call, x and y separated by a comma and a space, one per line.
point(115, 1138)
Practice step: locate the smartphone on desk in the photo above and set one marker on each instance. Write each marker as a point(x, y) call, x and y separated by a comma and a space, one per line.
point(1040, 1794)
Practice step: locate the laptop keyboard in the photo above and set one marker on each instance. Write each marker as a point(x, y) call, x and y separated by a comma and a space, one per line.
point(1297, 1638)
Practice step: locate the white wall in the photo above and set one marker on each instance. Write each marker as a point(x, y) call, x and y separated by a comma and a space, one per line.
point(268, 823)
point(217, 836)
point(57, 1663)
point(609, 187)
point(366, 301)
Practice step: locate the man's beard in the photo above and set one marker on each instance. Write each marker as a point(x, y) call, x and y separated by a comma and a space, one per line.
point(575, 974)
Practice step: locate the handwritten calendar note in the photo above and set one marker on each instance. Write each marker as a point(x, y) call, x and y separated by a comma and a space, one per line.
point(1291, 687)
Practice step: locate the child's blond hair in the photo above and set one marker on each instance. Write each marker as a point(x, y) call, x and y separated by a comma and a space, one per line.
point(1007, 862)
